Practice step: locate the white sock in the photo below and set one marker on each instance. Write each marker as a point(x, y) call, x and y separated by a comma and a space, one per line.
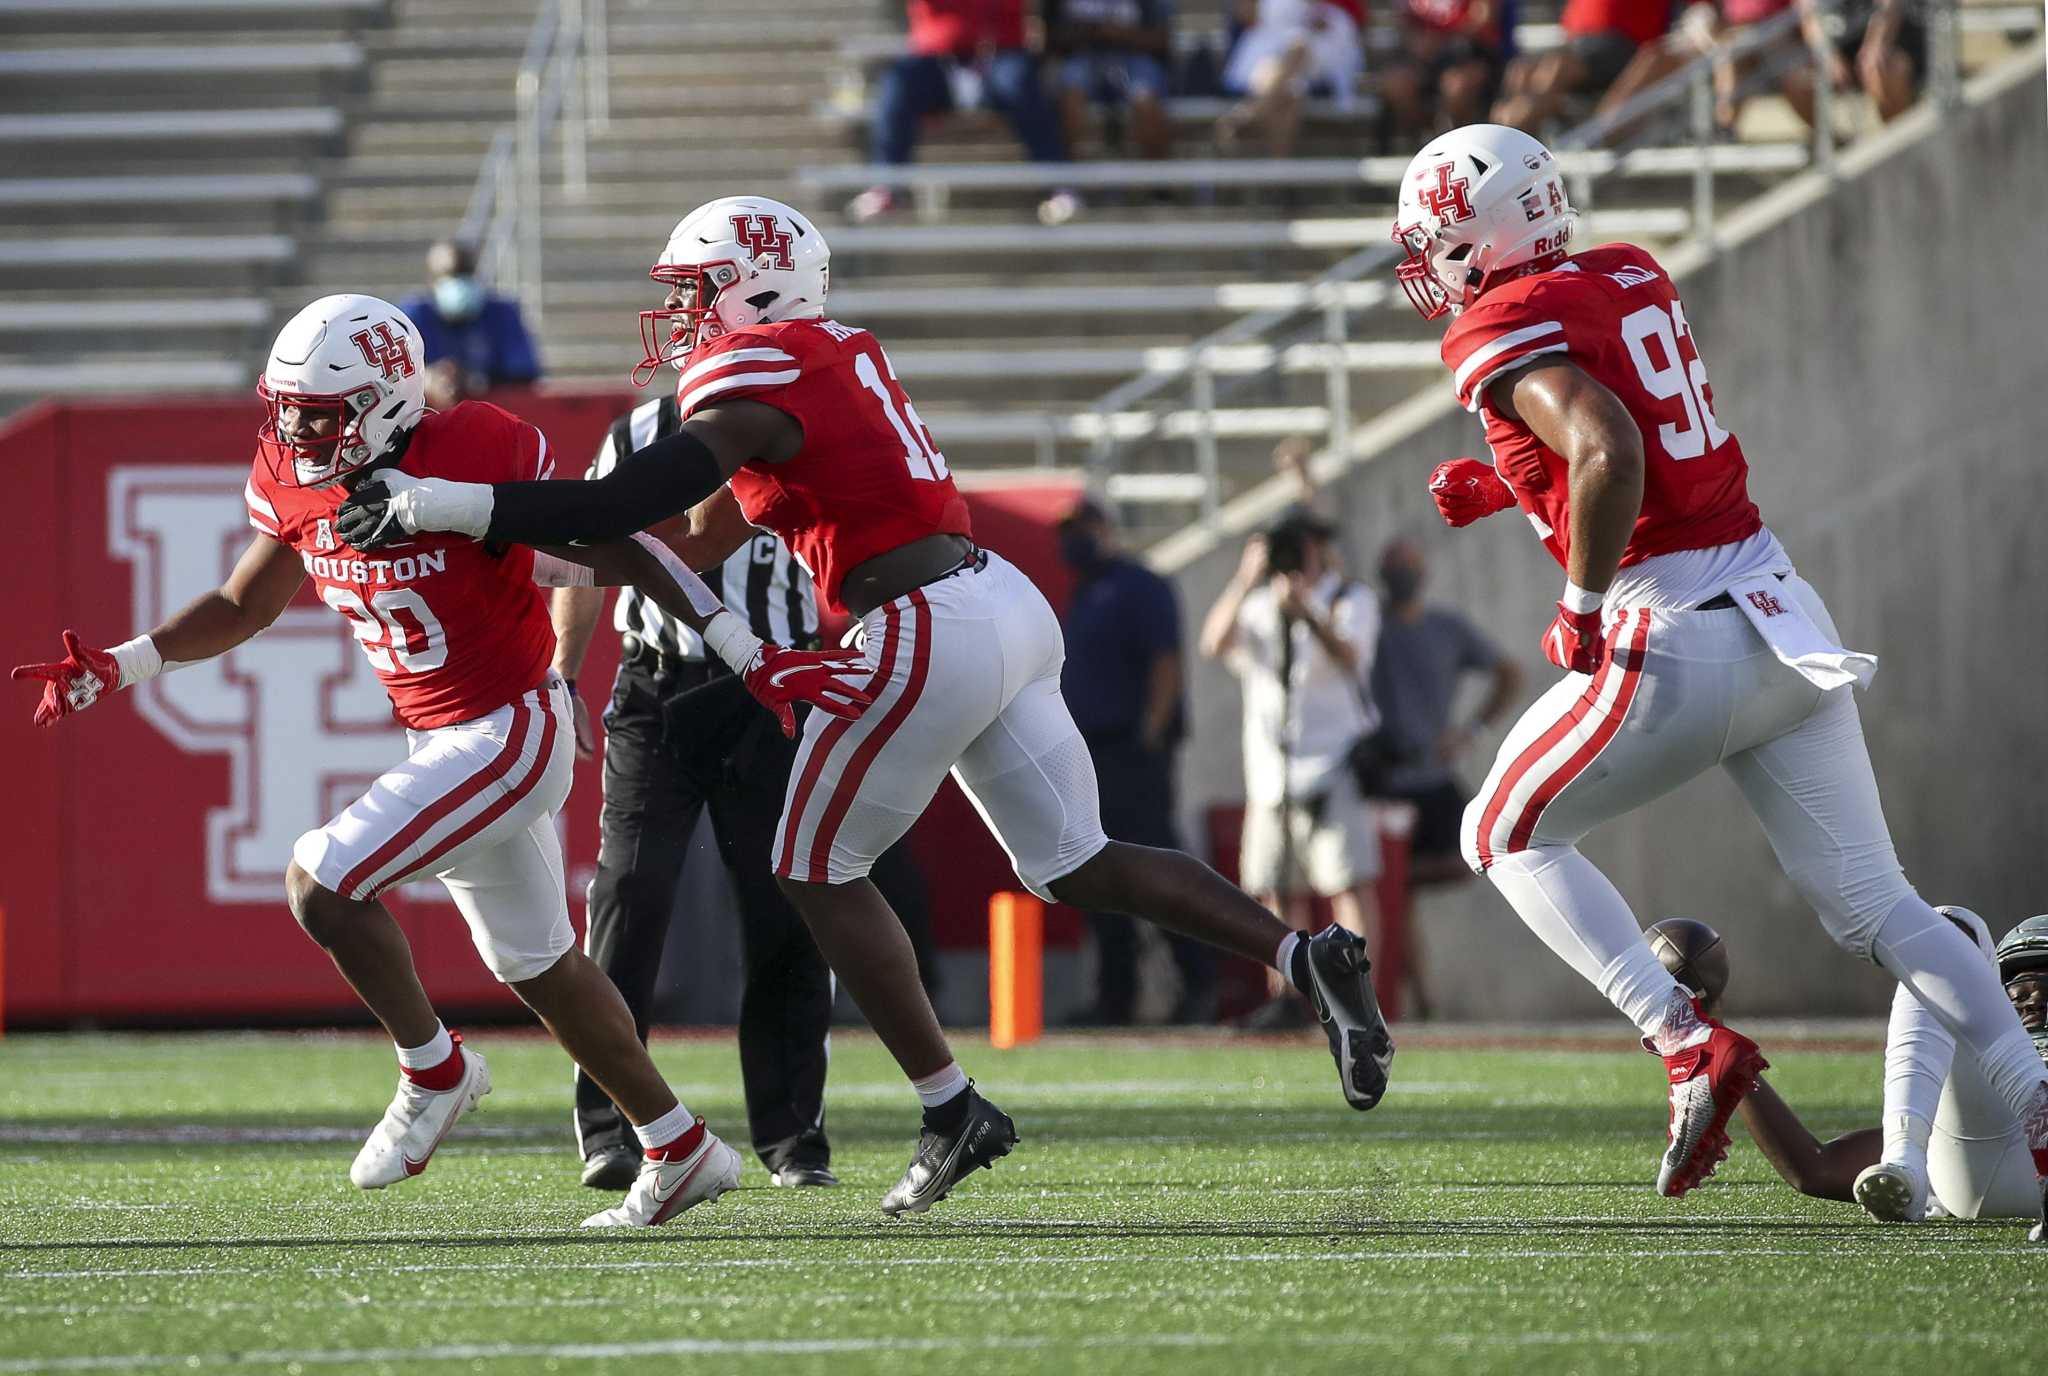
point(1950, 978)
point(436, 1051)
point(1918, 1052)
point(940, 1086)
point(1283, 959)
point(666, 1128)
point(1577, 913)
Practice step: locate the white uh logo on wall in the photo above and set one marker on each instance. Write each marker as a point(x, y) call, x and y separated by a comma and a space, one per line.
point(300, 717)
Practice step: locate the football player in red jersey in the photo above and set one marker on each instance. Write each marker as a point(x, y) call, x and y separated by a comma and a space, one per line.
point(460, 636)
point(1687, 638)
point(803, 417)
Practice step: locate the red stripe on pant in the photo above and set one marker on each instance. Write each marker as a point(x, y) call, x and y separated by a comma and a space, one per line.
point(1631, 675)
point(821, 749)
point(499, 806)
point(864, 754)
point(1496, 804)
point(441, 808)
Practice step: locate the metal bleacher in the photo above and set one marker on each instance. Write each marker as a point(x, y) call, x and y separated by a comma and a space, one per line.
point(225, 160)
point(162, 158)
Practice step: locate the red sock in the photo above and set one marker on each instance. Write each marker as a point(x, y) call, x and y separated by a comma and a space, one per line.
point(680, 1147)
point(442, 1077)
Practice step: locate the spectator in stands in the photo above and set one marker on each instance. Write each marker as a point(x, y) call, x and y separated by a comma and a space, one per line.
point(475, 339)
point(1114, 53)
point(964, 55)
point(1700, 28)
point(1123, 685)
point(1288, 51)
point(1450, 65)
point(1871, 45)
point(1601, 37)
point(1423, 653)
point(1300, 637)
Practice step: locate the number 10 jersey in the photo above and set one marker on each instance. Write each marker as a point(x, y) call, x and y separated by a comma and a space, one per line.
point(1615, 314)
point(868, 477)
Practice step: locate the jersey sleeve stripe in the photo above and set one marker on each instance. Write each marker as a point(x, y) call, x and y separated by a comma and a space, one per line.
point(726, 360)
point(545, 466)
point(750, 377)
point(262, 514)
point(1481, 362)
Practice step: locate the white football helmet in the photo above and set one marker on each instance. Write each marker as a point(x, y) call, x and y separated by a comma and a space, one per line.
point(739, 261)
point(357, 357)
point(1474, 202)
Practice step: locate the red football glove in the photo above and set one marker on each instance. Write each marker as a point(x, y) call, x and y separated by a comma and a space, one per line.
point(74, 682)
point(833, 681)
point(1466, 489)
point(1575, 641)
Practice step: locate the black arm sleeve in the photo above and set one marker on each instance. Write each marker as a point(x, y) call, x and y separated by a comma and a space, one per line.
point(645, 488)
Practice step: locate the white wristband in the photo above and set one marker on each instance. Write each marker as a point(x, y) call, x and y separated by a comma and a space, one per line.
point(731, 641)
point(1577, 599)
point(139, 660)
point(550, 572)
point(441, 504)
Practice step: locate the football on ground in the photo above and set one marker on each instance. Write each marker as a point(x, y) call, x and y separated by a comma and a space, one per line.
point(1177, 1205)
point(1693, 953)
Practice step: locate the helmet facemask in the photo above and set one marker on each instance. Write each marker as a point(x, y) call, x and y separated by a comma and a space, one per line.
point(672, 333)
point(1428, 292)
point(310, 460)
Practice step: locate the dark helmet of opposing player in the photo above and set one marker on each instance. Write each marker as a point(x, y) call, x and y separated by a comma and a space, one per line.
point(1476, 202)
point(356, 358)
point(2024, 949)
point(730, 263)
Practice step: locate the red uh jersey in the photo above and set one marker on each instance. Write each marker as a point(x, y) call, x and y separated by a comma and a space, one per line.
point(453, 629)
point(868, 478)
point(1614, 313)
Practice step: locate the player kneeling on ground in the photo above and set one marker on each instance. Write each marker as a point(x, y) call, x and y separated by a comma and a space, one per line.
point(1947, 1145)
point(804, 418)
point(460, 636)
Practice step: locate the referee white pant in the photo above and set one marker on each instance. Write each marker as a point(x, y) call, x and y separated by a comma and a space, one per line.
point(967, 679)
point(474, 806)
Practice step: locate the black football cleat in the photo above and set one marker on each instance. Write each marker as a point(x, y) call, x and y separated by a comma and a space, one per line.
point(942, 1159)
point(1340, 985)
point(801, 1175)
point(612, 1168)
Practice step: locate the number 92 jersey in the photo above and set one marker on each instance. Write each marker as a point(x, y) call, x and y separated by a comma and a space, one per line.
point(455, 629)
point(1614, 313)
point(868, 477)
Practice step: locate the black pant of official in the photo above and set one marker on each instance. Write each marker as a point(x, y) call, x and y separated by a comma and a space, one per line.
point(681, 736)
point(1136, 788)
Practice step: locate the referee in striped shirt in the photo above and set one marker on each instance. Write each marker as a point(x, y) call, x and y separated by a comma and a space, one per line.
point(681, 735)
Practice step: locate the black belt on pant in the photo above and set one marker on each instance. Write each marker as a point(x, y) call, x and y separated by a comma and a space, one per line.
point(1726, 601)
point(643, 657)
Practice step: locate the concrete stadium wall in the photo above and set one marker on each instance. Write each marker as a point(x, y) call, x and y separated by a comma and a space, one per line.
point(1879, 351)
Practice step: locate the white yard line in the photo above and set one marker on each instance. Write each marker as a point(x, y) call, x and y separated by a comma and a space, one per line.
point(680, 1347)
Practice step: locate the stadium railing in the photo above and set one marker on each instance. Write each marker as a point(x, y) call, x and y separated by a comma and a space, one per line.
point(1686, 92)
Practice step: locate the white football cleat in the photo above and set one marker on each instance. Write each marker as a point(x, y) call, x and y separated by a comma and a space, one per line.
point(1892, 1192)
point(414, 1125)
point(664, 1189)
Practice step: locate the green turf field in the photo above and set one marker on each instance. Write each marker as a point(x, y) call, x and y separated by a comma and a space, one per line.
point(181, 1202)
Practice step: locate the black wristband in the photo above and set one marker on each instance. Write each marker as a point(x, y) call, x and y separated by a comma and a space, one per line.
point(645, 488)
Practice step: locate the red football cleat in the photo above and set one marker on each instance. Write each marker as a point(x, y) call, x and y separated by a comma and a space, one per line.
point(1708, 1080)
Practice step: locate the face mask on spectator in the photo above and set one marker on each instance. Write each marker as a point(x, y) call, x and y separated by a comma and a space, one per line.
point(458, 298)
point(1402, 582)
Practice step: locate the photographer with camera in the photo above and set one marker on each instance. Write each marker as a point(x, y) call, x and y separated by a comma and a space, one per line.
point(1299, 635)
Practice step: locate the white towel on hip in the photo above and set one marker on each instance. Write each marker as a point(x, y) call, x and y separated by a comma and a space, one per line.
point(1795, 640)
